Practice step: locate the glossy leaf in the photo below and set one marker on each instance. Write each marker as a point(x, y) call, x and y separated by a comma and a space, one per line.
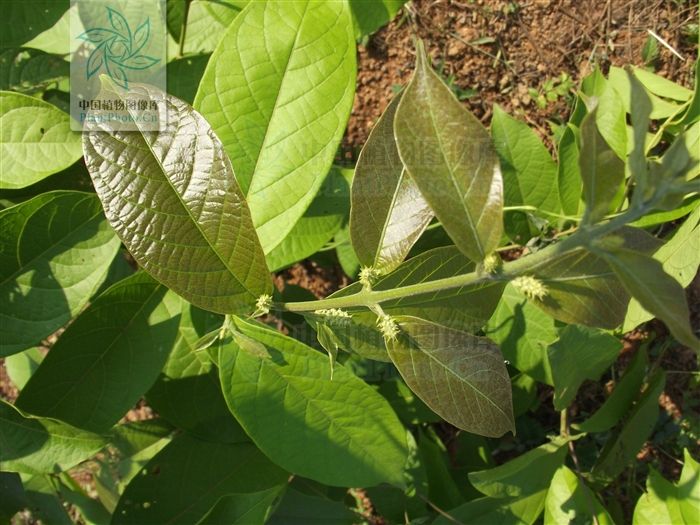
point(602, 171)
point(680, 258)
point(460, 376)
point(626, 391)
point(317, 226)
point(523, 332)
point(367, 17)
point(525, 475)
point(356, 442)
point(200, 240)
point(449, 155)
point(657, 292)
point(55, 250)
point(580, 353)
point(35, 140)
point(188, 477)
point(188, 393)
point(388, 211)
point(569, 500)
point(621, 448)
point(34, 445)
point(28, 70)
point(665, 503)
point(280, 106)
point(529, 173)
point(107, 358)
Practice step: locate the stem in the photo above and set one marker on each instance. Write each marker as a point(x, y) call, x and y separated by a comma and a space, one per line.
point(367, 298)
point(183, 31)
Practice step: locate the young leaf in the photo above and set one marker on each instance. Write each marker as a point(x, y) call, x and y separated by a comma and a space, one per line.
point(186, 479)
point(529, 173)
point(657, 292)
point(621, 448)
point(280, 107)
point(34, 445)
point(188, 393)
point(527, 474)
point(55, 251)
point(569, 500)
point(625, 393)
point(356, 442)
point(449, 155)
point(35, 140)
point(580, 353)
point(388, 212)
point(523, 333)
point(107, 358)
point(173, 199)
point(602, 171)
point(460, 376)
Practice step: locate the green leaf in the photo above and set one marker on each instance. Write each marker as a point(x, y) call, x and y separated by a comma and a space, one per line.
point(28, 70)
point(657, 292)
point(442, 489)
point(527, 474)
point(280, 108)
point(34, 445)
point(21, 21)
point(641, 108)
point(186, 479)
point(625, 393)
point(449, 155)
point(665, 503)
point(243, 509)
point(35, 140)
point(523, 333)
point(569, 172)
point(107, 358)
point(621, 448)
point(602, 171)
point(388, 212)
point(297, 508)
point(367, 17)
point(619, 80)
point(529, 173)
point(680, 258)
point(317, 226)
point(491, 511)
point(580, 353)
point(188, 393)
point(460, 376)
point(13, 497)
point(184, 75)
point(661, 86)
point(44, 502)
point(55, 250)
point(20, 367)
point(198, 239)
point(611, 120)
point(207, 21)
point(356, 442)
point(569, 500)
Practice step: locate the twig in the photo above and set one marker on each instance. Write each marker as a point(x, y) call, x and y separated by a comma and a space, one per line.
point(183, 30)
point(665, 44)
point(439, 510)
